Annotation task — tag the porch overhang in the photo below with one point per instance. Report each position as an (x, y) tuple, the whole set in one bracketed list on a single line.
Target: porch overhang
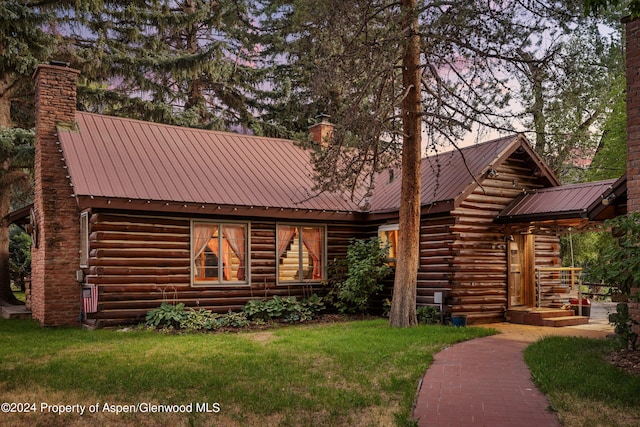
[(566, 208)]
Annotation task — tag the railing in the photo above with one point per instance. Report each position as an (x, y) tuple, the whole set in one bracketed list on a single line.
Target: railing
[(555, 285)]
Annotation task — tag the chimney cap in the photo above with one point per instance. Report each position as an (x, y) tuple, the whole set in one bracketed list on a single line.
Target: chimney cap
[(323, 118), (59, 63)]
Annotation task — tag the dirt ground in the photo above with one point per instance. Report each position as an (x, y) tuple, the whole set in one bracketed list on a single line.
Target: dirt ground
[(598, 327)]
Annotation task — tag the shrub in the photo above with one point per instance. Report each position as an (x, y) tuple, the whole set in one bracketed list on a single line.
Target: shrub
[(256, 311), (315, 304), (624, 324), (202, 319), (286, 309), (619, 264), (428, 315), (366, 268), (233, 320), (167, 315)]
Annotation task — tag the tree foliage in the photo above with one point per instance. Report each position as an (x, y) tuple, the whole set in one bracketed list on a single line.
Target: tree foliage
[(24, 42), (16, 160), (477, 66), (181, 62), (620, 263)]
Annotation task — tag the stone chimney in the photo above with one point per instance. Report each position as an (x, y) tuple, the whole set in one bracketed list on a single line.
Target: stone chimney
[(55, 293), (322, 132), (633, 113)]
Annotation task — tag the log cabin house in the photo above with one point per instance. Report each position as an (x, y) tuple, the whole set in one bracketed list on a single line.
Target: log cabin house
[(128, 214)]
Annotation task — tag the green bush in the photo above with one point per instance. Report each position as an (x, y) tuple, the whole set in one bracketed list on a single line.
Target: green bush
[(619, 264), (234, 320), (624, 324), (428, 315), (366, 269), (197, 320), (285, 309), (255, 311), (167, 315)]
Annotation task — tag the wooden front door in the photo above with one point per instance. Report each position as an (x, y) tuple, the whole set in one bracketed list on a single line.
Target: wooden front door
[(521, 264)]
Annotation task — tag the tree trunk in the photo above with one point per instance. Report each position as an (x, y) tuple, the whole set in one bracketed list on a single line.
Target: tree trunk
[(403, 306), (5, 102)]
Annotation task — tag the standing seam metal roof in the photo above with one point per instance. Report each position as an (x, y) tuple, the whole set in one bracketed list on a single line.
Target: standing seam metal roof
[(573, 198), (443, 176), (111, 157), (130, 159)]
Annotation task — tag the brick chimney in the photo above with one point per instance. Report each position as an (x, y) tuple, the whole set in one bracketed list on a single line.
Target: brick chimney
[(322, 132), (55, 293), (633, 113)]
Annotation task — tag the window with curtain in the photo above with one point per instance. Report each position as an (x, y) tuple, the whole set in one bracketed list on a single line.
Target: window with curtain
[(219, 253), (301, 251), (388, 235), (84, 239)]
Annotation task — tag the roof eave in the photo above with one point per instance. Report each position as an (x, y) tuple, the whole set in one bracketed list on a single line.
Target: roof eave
[(542, 216), (208, 209)]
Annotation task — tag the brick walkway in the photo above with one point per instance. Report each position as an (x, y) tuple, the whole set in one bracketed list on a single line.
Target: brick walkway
[(485, 382)]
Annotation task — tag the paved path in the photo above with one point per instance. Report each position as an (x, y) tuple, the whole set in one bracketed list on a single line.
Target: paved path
[(485, 382)]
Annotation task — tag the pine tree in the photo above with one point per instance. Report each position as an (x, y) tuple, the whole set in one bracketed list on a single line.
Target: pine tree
[(181, 62), (23, 43), (16, 160)]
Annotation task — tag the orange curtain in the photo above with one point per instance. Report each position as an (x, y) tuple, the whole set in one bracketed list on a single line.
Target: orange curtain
[(202, 234), (234, 237), (285, 235), (312, 239)]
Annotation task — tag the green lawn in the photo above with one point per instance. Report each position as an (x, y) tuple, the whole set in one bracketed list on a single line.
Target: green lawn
[(355, 373), (582, 386)]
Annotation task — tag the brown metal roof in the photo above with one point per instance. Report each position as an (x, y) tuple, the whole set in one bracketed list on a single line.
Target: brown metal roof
[(447, 176), (117, 161), (567, 201), (110, 157)]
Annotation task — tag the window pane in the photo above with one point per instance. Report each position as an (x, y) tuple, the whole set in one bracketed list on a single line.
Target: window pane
[(234, 252), (390, 238), (84, 239), (312, 259), (289, 254), (205, 252)]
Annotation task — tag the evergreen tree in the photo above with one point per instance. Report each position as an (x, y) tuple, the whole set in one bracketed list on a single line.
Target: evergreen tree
[(24, 42), (16, 161), (181, 62)]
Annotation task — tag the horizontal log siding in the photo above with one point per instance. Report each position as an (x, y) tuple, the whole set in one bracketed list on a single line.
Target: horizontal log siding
[(479, 260), (140, 261), (436, 257)]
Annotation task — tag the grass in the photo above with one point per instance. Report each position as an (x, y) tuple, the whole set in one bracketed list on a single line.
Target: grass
[(584, 388), (354, 373)]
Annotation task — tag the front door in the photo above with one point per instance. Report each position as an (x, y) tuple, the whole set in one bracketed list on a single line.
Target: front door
[(521, 262)]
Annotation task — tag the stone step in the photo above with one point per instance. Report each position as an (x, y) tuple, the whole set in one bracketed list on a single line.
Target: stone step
[(558, 322), (15, 312)]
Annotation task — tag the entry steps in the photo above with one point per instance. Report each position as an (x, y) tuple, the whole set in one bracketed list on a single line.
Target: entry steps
[(15, 312), (546, 317)]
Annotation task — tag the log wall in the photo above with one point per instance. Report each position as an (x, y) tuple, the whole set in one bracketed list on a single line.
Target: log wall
[(140, 261), (465, 253)]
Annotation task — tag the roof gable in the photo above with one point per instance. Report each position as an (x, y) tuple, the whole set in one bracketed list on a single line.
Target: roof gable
[(447, 178)]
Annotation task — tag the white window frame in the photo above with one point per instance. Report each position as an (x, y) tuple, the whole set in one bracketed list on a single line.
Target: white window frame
[(389, 227), (220, 282)]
